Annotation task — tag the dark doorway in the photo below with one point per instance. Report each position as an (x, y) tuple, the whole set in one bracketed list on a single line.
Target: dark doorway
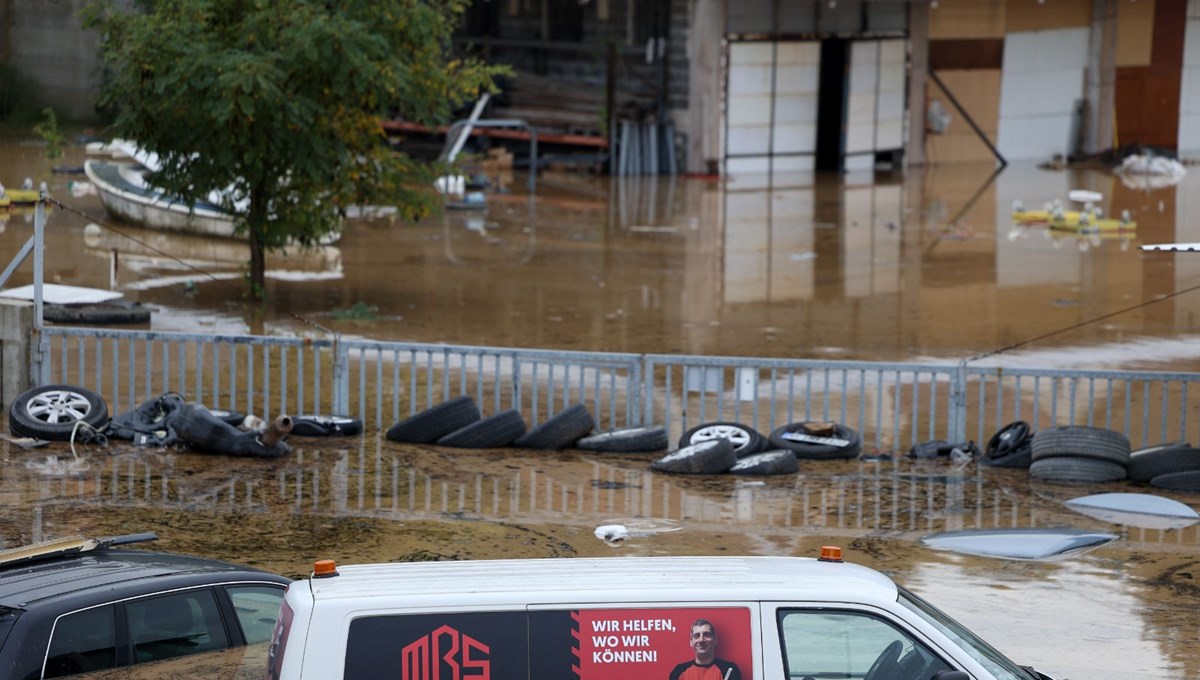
[(831, 103)]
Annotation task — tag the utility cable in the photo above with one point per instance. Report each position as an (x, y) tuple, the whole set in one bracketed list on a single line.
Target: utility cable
[(169, 256), (1081, 324)]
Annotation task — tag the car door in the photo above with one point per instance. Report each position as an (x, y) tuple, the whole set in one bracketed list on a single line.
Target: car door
[(808, 641)]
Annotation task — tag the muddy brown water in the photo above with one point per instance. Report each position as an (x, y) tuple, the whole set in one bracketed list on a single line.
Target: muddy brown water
[(889, 268)]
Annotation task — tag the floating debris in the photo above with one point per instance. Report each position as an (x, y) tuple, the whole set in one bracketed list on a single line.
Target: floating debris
[(1020, 544), (1136, 510)]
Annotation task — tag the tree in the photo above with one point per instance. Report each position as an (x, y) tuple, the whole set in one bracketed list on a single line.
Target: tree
[(277, 103)]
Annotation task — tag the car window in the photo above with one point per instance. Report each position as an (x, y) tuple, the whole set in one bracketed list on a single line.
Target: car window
[(257, 608), (844, 644), (175, 625), (83, 641)]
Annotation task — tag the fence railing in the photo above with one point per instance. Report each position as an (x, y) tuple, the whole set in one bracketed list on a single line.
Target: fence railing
[(892, 405)]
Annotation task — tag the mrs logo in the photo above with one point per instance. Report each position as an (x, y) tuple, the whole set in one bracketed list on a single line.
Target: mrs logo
[(445, 654)]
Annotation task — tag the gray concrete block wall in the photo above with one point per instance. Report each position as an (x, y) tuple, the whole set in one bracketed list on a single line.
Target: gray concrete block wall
[(16, 332), (48, 46)]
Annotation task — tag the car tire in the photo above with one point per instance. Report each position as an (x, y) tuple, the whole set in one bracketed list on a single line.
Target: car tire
[(746, 440), (1148, 463), (309, 425), (1079, 441), (627, 440), (50, 412), (818, 450), (436, 422), (1076, 470), (1185, 480), (492, 432), (562, 430), (712, 457), (777, 462)]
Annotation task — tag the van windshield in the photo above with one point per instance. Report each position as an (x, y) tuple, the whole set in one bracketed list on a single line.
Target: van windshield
[(996, 663)]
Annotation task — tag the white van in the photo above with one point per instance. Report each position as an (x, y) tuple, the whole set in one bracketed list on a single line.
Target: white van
[(621, 618)]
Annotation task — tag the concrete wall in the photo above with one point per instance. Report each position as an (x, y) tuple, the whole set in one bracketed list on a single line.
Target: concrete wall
[(48, 47), (16, 325), (1189, 91)]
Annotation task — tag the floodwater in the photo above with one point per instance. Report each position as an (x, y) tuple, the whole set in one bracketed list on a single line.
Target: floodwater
[(925, 266)]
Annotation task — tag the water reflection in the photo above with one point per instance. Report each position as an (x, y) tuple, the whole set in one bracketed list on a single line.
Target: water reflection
[(837, 499), (889, 266)]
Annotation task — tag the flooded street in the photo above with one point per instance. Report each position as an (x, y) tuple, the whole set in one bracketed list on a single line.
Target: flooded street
[(924, 266)]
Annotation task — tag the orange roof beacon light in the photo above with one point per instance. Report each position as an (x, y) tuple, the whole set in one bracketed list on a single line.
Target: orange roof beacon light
[(829, 553), (324, 569)]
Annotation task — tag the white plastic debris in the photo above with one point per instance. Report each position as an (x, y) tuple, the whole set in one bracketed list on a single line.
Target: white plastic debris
[(1085, 196), (612, 533)]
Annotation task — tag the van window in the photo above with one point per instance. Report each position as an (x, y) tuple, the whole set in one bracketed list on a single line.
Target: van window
[(175, 625), (828, 643), (83, 641), (257, 608)]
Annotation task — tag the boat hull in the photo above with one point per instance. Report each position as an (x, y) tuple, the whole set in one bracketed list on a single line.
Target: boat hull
[(152, 208)]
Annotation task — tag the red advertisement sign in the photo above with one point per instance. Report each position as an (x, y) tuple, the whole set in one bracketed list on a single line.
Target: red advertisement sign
[(666, 644)]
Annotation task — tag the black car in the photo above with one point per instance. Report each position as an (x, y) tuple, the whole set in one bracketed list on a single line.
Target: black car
[(79, 605)]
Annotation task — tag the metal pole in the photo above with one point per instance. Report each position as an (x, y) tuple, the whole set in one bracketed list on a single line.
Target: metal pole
[(967, 117), (40, 369)]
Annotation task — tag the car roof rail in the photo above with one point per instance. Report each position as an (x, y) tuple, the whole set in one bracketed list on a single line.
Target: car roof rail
[(62, 547)]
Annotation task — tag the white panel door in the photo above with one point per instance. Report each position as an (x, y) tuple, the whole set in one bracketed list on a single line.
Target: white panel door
[(748, 117), (1042, 77), (889, 116), (797, 77), (771, 115), (860, 101)]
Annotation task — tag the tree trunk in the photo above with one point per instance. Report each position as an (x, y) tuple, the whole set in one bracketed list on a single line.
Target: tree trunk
[(256, 229), (258, 265)]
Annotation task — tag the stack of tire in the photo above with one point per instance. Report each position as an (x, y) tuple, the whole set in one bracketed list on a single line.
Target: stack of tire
[(1174, 466), (1078, 454), (458, 423)]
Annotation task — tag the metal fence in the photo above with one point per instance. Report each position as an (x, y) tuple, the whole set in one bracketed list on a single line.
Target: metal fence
[(892, 405)]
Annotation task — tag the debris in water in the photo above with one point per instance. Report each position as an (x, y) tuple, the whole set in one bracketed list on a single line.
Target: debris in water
[(1136, 510), (612, 533), (1020, 544)]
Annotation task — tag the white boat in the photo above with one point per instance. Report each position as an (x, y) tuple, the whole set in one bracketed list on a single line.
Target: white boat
[(125, 193), (123, 190)]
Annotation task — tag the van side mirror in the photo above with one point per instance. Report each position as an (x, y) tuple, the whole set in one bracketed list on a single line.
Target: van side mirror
[(952, 675)]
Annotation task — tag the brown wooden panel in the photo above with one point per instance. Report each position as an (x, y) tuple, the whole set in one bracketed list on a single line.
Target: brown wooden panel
[(979, 92), (966, 54), (1147, 101), (1032, 15), (1170, 20), (1135, 32), (967, 19), (1147, 97)]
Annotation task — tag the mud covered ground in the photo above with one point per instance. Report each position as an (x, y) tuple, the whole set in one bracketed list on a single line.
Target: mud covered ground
[(1126, 610)]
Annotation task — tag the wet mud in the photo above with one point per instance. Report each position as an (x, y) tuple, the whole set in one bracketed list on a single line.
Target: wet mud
[(925, 266), (1127, 609)]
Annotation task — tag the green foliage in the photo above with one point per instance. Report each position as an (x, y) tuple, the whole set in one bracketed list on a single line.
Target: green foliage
[(49, 132), (279, 101), (359, 311)]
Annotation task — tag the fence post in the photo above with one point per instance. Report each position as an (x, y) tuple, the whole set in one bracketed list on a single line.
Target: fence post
[(341, 377), (957, 418), (633, 410), (648, 389), (516, 384)]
